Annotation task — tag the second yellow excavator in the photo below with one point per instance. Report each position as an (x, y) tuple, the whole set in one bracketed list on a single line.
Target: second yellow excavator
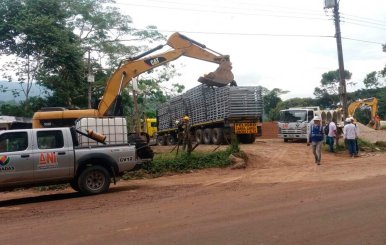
[(131, 68), (370, 102)]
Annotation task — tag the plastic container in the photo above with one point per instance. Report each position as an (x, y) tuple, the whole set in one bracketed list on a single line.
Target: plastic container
[(115, 130)]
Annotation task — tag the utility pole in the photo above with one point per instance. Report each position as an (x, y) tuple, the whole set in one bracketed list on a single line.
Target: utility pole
[(137, 123), (342, 81), (89, 77)]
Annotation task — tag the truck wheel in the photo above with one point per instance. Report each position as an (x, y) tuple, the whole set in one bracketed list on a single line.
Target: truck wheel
[(161, 140), (285, 140), (208, 136), (199, 136), (217, 136), (145, 137), (171, 140), (253, 138), (246, 138), (94, 180), (142, 148)]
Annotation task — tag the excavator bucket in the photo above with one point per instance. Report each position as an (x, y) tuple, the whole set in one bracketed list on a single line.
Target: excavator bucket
[(220, 77)]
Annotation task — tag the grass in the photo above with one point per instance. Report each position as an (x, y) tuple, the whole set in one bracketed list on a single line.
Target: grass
[(364, 145), (183, 163)]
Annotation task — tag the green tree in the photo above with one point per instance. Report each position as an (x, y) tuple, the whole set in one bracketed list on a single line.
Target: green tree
[(329, 87), (374, 80), (60, 33), (271, 99), (38, 31)]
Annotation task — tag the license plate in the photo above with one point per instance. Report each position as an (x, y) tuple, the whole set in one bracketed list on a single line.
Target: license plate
[(245, 128)]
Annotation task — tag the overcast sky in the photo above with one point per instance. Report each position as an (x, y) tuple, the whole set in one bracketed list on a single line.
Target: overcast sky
[(277, 43)]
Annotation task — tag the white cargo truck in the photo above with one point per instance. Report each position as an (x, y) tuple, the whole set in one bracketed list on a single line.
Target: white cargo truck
[(294, 123)]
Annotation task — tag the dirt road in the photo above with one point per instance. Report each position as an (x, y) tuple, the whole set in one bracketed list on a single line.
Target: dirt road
[(281, 198)]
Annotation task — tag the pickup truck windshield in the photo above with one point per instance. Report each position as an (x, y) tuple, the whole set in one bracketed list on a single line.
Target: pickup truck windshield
[(293, 116)]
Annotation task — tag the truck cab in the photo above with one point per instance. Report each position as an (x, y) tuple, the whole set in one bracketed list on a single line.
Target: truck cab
[(45, 155), (294, 123)]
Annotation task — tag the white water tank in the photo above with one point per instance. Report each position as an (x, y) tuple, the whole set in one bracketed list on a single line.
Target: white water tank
[(115, 130)]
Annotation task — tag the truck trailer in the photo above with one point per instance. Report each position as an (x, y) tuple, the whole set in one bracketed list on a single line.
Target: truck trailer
[(214, 114)]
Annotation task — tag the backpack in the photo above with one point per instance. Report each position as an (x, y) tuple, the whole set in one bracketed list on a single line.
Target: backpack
[(327, 129)]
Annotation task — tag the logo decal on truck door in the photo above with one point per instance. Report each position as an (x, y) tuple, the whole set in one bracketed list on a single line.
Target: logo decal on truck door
[(4, 160), (48, 160)]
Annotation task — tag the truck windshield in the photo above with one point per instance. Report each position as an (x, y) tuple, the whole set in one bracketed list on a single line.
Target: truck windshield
[(293, 116)]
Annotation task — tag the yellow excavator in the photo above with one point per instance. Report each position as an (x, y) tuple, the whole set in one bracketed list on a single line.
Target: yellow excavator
[(110, 104), (370, 102)]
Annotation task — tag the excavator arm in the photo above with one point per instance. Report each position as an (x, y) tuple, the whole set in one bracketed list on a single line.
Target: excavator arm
[(182, 46), (133, 67), (370, 102)]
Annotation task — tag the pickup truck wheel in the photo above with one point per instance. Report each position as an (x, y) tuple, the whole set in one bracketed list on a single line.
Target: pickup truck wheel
[(208, 136), (94, 180), (217, 136)]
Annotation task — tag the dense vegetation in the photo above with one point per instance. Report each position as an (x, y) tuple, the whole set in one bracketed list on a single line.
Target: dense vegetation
[(57, 43)]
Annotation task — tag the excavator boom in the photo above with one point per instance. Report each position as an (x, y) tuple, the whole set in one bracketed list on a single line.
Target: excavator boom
[(182, 46), (132, 67)]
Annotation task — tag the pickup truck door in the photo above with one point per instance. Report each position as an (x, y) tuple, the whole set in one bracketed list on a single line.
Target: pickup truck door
[(16, 164), (53, 155)]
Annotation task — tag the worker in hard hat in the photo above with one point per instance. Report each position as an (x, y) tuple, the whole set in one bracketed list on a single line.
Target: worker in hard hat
[(187, 144), (316, 136), (350, 135)]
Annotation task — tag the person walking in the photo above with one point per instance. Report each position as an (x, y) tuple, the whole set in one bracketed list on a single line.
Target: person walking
[(357, 135), (350, 134), (315, 136), (331, 135)]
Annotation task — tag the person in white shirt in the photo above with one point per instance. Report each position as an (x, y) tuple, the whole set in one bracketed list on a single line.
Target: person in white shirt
[(331, 135), (357, 133), (350, 134)]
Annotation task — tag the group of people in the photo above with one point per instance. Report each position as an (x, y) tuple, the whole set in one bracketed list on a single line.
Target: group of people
[(318, 131)]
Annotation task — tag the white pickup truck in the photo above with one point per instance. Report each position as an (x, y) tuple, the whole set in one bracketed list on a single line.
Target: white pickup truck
[(31, 157)]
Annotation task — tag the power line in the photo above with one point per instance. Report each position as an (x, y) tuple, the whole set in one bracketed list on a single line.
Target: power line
[(224, 12), (363, 21), (363, 41), (364, 25), (261, 34), (287, 14), (248, 8), (364, 18)]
